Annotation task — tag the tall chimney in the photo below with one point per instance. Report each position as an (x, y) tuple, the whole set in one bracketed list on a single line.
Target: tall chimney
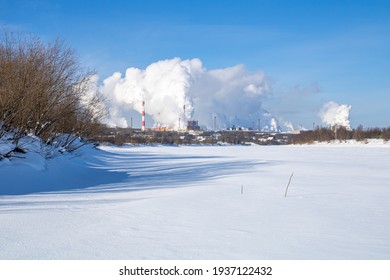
[(143, 116), (159, 122), (184, 117)]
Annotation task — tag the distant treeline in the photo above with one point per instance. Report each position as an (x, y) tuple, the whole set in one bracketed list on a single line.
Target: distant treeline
[(340, 133), (120, 136)]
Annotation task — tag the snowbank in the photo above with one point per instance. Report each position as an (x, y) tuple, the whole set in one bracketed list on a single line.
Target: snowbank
[(186, 203), (45, 169)]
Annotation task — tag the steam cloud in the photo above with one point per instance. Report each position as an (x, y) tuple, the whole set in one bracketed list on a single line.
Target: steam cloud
[(334, 114), (233, 95)]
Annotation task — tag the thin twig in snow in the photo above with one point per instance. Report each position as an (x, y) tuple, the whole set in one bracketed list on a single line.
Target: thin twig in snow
[(289, 181)]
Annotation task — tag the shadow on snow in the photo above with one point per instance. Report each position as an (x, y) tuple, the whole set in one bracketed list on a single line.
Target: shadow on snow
[(119, 172)]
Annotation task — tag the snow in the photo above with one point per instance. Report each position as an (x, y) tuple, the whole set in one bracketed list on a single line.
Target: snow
[(169, 202)]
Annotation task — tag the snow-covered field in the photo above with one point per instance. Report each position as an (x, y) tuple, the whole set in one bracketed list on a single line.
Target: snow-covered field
[(199, 202)]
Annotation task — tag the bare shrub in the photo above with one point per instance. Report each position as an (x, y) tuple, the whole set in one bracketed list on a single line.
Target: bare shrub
[(44, 91)]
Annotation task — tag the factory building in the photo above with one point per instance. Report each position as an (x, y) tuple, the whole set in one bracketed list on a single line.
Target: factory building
[(193, 125)]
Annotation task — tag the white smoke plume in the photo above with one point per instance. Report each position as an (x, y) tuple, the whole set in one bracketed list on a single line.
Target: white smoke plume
[(334, 114), (231, 95), (91, 98)]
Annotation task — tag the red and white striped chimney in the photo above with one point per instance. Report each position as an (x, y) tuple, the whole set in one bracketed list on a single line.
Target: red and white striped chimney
[(143, 116)]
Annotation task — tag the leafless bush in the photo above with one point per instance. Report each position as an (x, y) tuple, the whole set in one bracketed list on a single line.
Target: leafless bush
[(386, 134), (44, 91)]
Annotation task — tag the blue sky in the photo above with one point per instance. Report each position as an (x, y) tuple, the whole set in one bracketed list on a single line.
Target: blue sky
[(316, 50)]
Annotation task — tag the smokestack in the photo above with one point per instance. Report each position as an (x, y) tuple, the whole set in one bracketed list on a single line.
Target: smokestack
[(189, 84), (215, 122), (143, 116), (158, 122), (258, 124), (184, 117)]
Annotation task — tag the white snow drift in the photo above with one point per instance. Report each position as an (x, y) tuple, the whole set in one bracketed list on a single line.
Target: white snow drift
[(186, 203)]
